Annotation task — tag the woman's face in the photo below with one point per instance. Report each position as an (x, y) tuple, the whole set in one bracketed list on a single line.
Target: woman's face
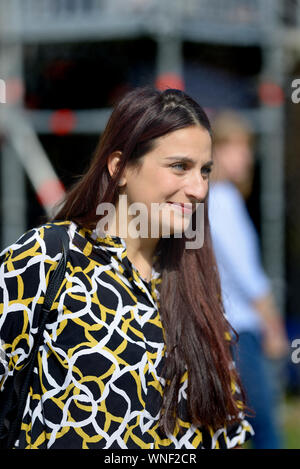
[(174, 173)]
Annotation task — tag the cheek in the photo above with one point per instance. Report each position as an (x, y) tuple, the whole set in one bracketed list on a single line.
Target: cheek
[(145, 187), (152, 184), (160, 184), (167, 182)]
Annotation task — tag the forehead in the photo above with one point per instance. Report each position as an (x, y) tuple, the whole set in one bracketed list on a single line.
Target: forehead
[(194, 141)]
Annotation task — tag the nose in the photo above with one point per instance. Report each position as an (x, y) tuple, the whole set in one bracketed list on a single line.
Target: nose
[(196, 187)]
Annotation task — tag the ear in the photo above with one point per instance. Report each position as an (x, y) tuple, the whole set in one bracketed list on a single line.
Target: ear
[(113, 163)]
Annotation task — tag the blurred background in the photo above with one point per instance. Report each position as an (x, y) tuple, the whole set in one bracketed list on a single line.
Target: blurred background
[(64, 63)]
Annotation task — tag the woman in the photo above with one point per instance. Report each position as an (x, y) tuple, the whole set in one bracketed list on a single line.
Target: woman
[(137, 354)]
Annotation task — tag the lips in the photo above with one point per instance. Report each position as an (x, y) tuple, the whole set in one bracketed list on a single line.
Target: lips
[(183, 207)]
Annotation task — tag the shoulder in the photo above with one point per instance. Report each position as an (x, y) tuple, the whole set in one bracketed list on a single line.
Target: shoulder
[(224, 198), (35, 245), (223, 190)]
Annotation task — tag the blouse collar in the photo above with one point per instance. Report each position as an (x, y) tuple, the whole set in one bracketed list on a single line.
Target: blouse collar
[(115, 250)]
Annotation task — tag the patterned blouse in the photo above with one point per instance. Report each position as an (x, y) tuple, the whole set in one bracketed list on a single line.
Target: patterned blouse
[(97, 380)]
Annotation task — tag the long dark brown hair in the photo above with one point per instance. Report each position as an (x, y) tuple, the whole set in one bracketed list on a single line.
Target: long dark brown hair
[(190, 296)]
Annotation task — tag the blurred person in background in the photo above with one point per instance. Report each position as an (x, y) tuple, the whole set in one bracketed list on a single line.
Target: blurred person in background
[(246, 289)]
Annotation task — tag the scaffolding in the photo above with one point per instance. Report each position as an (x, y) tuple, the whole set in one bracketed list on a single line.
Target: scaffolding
[(262, 23)]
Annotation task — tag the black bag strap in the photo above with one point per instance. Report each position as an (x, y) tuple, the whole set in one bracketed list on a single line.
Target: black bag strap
[(22, 378), (59, 273)]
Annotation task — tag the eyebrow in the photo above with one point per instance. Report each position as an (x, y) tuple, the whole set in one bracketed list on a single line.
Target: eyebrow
[(186, 159)]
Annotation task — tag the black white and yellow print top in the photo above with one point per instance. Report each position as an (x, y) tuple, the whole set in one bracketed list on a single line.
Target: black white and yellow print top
[(97, 380)]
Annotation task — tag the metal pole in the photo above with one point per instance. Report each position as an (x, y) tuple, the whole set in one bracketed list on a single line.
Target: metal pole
[(41, 174), (13, 199), (272, 173), (169, 64), (20, 134), (13, 189)]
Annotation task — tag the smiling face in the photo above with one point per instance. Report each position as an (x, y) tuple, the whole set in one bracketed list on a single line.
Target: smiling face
[(174, 173)]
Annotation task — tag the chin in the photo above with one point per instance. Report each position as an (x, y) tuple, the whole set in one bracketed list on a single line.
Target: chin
[(172, 222), (174, 229)]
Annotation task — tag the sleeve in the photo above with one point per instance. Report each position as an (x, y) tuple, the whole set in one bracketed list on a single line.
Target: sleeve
[(236, 244), (24, 276), (238, 433)]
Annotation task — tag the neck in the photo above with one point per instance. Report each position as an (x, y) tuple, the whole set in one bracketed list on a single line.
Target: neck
[(140, 250)]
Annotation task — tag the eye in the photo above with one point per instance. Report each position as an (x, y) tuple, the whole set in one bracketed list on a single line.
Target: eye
[(206, 170), (179, 166)]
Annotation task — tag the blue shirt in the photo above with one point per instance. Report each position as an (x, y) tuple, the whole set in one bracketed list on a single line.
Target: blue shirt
[(236, 247)]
